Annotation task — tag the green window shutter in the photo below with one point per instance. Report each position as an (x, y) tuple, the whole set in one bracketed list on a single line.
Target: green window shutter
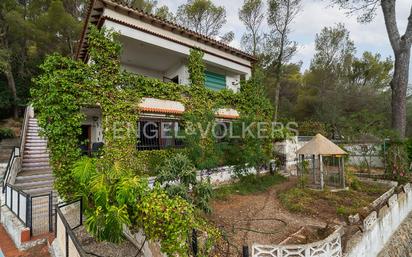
[(215, 81)]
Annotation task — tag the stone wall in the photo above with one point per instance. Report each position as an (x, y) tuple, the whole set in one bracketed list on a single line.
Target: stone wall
[(379, 225)]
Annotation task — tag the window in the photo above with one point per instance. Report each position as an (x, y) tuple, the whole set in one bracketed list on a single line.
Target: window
[(215, 81), (158, 134)]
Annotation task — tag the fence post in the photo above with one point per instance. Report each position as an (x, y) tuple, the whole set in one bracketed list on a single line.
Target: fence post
[(27, 212), (55, 222), (11, 197), (245, 251), (81, 211), (194, 242), (18, 205), (50, 211), (30, 220), (67, 241)]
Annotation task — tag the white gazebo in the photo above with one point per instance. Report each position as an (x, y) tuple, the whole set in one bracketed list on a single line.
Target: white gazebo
[(320, 149)]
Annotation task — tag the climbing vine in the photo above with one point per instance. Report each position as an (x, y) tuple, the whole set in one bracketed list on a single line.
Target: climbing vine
[(113, 188)]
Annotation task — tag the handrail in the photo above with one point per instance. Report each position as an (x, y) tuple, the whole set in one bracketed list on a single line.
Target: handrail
[(19, 210), (27, 114), (19, 190), (69, 232), (8, 168), (18, 151)]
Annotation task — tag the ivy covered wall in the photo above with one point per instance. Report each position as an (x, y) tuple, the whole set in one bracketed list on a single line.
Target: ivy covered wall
[(106, 183)]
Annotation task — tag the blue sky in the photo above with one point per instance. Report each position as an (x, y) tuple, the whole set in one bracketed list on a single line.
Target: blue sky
[(314, 16)]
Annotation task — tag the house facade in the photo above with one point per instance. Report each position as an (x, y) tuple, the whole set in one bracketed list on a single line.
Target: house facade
[(159, 49)]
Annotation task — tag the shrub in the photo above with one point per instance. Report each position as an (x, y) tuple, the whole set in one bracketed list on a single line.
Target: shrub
[(397, 162), (179, 177), (248, 184), (311, 128), (6, 133), (351, 180)]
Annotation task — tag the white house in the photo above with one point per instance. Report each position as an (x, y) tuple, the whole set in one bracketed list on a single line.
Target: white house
[(157, 48)]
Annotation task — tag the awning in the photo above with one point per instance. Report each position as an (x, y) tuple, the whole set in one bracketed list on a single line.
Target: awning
[(161, 106), (227, 113)]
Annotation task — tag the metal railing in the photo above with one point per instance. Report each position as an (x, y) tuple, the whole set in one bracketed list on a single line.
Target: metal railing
[(8, 173), (17, 151), (18, 202), (66, 221), (28, 113), (40, 214)]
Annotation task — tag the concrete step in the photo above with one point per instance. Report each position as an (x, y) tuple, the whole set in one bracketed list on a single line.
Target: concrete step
[(35, 152), (35, 155), (30, 159), (34, 184), (34, 147), (35, 139), (40, 169), (32, 134), (38, 191), (36, 142), (23, 178), (40, 165), (40, 148)]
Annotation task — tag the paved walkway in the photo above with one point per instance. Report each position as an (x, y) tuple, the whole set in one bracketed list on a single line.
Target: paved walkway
[(9, 249)]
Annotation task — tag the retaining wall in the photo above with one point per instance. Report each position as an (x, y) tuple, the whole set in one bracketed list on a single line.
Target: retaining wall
[(379, 225)]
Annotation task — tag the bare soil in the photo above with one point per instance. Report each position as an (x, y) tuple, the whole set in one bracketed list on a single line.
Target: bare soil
[(104, 249), (261, 218)]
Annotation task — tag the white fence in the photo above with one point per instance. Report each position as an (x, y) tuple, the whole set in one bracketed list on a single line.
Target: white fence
[(329, 247)]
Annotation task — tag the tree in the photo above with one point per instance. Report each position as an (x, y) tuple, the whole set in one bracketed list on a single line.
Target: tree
[(164, 13), (148, 6), (28, 31), (251, 14), (401, 46), (349, 94), (227, 37), (279, 48), (202, 16), (329, 67)]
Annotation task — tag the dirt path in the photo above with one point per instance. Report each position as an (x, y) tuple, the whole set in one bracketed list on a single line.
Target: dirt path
[(259, 218)]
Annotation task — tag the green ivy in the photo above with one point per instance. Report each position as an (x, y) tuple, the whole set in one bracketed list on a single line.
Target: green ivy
[(114, 191)]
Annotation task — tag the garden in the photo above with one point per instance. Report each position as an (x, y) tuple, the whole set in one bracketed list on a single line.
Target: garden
[(114, 185), (271, 209)]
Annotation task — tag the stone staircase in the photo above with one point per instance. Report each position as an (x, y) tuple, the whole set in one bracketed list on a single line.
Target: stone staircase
[(35, 176)]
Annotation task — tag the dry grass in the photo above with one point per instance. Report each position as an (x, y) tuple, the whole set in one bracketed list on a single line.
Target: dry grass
[(343, 203)]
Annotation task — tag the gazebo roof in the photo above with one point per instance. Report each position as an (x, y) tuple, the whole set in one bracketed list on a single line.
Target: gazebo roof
[(320, 145)]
